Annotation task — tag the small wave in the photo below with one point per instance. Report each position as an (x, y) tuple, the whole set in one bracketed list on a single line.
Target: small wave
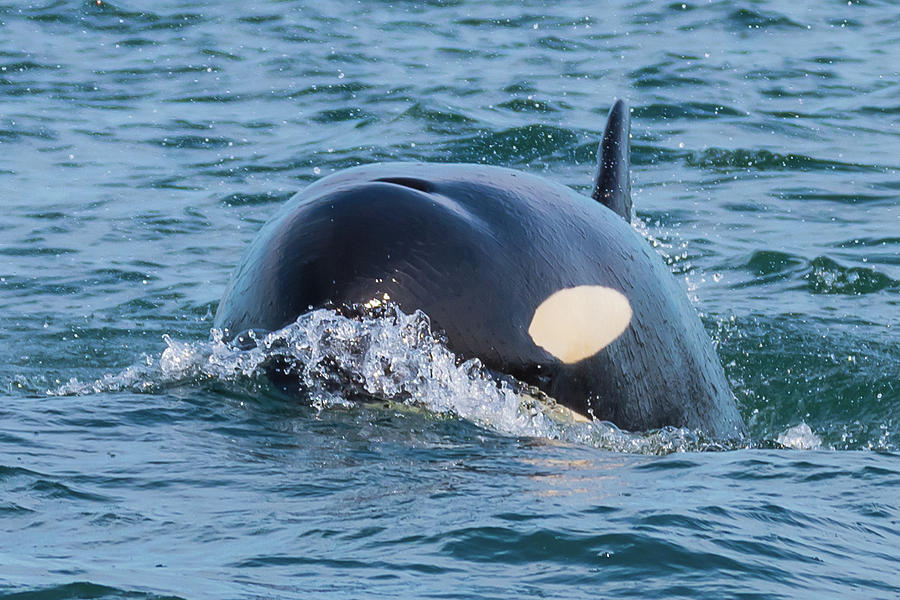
[(101, 15), (244, 199), (826, 276), (668, 80), (769, 262), (213, 98), (379, 355), (350, 113), (528, 104), (805, 194), (869, 242), (32, 251), (193, 142), (745, 18), (348, 90), (563, 44), (765, 160), (821, 275), (16, 132), (519, 22), (82, 589), (26, 65), (515, 145), (687, 110), (445, 116), (445, 119)]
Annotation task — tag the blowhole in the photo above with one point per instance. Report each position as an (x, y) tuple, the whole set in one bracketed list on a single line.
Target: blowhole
[(409, 182)]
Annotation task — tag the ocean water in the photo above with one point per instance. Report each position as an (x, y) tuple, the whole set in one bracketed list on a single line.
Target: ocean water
[(142, 146)]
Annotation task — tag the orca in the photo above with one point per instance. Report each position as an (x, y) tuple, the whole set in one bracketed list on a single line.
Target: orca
[(539, 282)]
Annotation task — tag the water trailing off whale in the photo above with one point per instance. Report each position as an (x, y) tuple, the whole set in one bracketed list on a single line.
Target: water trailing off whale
[(535, 280)]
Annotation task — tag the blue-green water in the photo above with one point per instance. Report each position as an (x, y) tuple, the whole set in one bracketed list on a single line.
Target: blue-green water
[(142, 145)]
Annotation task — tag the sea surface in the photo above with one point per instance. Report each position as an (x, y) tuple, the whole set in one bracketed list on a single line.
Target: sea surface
[(142, 146)]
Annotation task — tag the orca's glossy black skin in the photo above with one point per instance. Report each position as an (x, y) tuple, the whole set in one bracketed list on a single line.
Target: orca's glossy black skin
[(478, 249)]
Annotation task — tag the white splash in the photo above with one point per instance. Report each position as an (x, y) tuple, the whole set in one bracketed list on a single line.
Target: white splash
[(800, 437), (379, 355)]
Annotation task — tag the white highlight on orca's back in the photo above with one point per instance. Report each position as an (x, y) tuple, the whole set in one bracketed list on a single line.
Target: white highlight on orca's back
[(576, 323)]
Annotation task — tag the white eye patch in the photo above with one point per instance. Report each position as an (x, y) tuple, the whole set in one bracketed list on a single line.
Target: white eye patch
[(578, 322)]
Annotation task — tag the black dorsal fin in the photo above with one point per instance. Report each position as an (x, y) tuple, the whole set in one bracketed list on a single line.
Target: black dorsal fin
[(612, 186)]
